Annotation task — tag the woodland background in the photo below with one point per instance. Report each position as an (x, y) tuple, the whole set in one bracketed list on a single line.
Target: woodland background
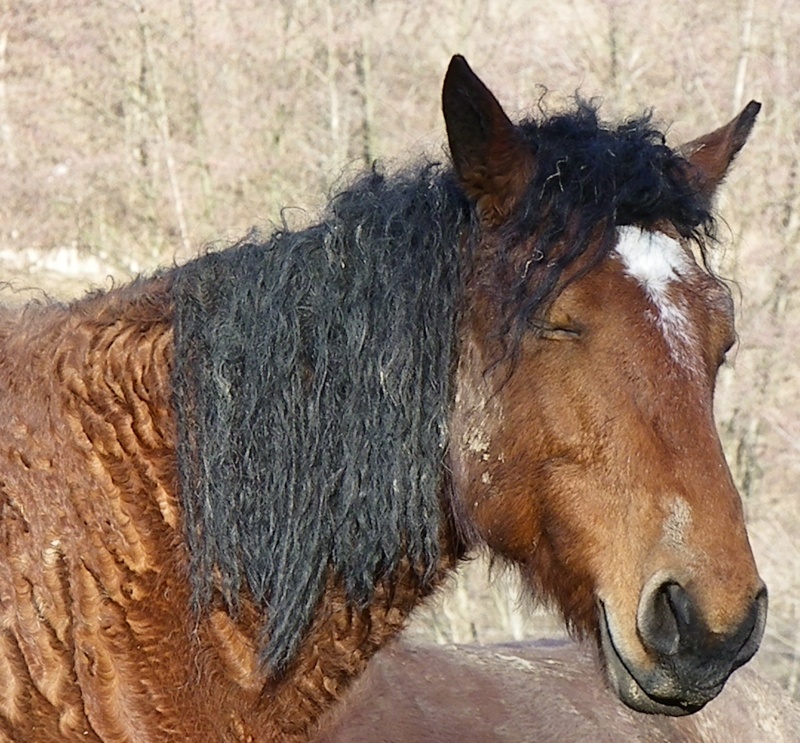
[(135, 132)]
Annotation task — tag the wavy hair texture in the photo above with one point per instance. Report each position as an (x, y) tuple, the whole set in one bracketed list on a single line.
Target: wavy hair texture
[(312, 380), (312, 372)]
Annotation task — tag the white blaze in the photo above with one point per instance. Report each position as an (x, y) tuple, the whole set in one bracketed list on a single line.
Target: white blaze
[(658, 261)]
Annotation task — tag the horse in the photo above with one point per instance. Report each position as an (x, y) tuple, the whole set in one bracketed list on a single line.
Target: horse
[(535, 692), (225, 485)]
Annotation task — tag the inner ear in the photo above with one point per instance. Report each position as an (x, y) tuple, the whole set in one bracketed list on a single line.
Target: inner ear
[(489, 158), (712, 154)]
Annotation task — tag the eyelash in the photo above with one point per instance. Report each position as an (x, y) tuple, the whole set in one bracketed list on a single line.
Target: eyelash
[(555, 332)]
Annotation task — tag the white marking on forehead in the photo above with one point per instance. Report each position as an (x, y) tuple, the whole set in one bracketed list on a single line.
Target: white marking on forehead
[(656, 261)]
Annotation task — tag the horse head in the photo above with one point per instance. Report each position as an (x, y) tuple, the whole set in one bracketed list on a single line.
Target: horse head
[(583, 443)]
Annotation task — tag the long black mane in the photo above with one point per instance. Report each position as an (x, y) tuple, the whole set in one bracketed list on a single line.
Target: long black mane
[(312, 383), (312, 374)]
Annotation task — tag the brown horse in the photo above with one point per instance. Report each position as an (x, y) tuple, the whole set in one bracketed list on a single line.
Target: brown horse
[(547, 692), (225, 486)]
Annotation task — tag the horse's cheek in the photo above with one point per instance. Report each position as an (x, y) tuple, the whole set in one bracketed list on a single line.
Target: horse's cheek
[(509, 523)]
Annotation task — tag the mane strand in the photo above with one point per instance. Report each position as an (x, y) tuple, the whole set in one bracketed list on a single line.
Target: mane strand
[(312, 384)]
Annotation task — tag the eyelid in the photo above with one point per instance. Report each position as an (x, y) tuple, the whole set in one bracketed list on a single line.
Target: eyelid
[(554, 331)]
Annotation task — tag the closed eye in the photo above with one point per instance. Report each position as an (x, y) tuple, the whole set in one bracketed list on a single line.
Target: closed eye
[(555, 332)]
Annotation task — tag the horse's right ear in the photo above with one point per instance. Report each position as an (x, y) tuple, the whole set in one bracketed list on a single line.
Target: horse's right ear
[(489, 159)]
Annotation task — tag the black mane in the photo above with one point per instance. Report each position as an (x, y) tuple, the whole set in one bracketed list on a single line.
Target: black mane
[(312, 383), (312, 373)]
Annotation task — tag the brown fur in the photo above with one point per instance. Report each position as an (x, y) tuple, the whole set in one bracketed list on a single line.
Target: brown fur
[(572, 397)]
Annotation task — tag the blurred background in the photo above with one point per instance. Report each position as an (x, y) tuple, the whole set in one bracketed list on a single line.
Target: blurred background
[(134, 133)]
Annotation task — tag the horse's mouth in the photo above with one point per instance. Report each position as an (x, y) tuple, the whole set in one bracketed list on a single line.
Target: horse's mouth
[(632, 692)]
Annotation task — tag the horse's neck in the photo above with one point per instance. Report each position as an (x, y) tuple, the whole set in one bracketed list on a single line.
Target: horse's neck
[(108, 361), (341, 642)]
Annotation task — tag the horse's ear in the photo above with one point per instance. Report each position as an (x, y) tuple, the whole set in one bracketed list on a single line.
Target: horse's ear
[(711, 155), (489, 159)]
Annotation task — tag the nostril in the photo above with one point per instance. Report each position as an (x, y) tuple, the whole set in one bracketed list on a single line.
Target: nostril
[(664, 616), (680, 604), (669, 623)]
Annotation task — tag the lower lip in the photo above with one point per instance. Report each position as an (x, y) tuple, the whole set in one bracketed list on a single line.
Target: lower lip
[(624, 682)]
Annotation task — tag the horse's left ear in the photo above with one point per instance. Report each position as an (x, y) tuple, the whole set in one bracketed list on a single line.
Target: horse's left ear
[(712, 154), (491, 163)]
